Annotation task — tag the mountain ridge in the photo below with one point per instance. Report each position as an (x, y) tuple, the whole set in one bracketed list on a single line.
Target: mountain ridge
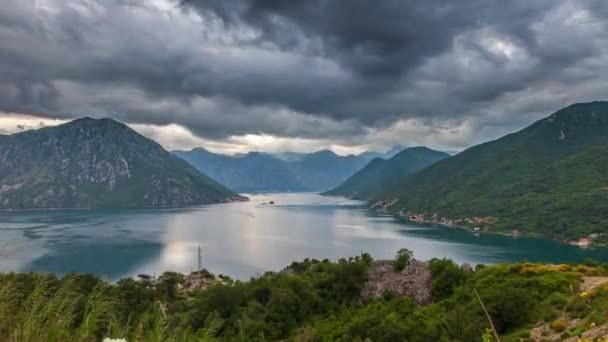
[(97, 163), (382, 173), (250, 172), (530, 181)]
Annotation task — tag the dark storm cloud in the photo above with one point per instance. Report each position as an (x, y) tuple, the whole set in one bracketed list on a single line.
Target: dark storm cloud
[(381, 39), (377, 43), (314, 68)]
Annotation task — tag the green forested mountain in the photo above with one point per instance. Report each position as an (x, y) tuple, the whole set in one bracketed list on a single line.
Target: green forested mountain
[(549, 178), (97, 163), (381, 174)]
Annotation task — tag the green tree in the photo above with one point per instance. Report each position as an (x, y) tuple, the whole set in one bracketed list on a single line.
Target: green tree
[(446, 277), (402, 259)]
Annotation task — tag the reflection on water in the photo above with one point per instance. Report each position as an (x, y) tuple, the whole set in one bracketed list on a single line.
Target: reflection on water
[(243, 239)]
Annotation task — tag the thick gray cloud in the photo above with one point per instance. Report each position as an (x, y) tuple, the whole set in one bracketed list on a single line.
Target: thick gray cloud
[(354, 72)]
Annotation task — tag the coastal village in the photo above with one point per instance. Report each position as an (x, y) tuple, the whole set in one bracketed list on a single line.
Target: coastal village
[(475, 224)]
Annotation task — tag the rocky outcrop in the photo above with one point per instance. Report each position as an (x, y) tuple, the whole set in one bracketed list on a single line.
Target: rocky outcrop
[(198, 281), (414, 281)]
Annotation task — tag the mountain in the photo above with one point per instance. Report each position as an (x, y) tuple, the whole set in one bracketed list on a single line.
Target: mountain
[(451, 152), (289, 156), (382, 174), (265, 172), (97, 163), (366, 156), (323, 170), (250, 172), (550, 178), (369, 155)]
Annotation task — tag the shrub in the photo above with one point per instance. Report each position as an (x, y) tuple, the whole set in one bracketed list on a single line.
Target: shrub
[(508, 306), (402, 259), (590, 262), (446, 277), (558, 300), (559, 325)]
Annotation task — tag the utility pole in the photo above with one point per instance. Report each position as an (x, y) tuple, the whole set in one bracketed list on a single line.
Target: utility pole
[(200, 257)]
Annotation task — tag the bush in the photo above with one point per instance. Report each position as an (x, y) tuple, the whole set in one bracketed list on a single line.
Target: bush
[(402, 259), (558, 300), (590, 262), (446, 277), (508, 306), (559, 325)]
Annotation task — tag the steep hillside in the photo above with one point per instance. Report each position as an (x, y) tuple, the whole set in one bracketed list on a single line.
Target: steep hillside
[(549, 178), (381, 174), (97, 163)]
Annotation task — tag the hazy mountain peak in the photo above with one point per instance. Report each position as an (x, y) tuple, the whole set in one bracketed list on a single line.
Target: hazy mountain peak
[(325, 153), (200, 149), (287, 171), (416, 149)]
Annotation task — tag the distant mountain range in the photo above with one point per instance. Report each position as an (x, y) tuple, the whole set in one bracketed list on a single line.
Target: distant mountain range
[(280, 172), (368, 155), (251, 172), (97, 163), (381, 174), (549, 178)]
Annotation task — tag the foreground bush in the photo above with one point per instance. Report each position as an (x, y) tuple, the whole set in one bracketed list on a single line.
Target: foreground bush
[(310, 301)]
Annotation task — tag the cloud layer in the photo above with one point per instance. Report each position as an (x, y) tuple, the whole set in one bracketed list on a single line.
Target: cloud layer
[(319, 73)]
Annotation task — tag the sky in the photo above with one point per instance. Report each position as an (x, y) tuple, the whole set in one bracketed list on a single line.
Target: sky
[(301, 75)]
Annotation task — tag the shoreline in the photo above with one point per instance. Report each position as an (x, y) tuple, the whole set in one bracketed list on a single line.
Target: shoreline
[(404, 218), (228, 200), (382, 206)]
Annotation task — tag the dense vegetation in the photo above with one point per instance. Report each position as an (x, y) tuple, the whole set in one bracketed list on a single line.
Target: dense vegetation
[(309, 301), (381, 174), (97, 163), (550, 178)]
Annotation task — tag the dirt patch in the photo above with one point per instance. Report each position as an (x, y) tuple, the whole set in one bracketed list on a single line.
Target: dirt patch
[(414, 281), (591, 334), (589, 283), (543, 331)]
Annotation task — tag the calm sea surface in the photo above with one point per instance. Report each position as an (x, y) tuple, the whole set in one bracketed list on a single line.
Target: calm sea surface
[(243, 239)]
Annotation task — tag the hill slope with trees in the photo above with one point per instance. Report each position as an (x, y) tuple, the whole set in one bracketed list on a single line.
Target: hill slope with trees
[(381, 174), (550, 178)]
